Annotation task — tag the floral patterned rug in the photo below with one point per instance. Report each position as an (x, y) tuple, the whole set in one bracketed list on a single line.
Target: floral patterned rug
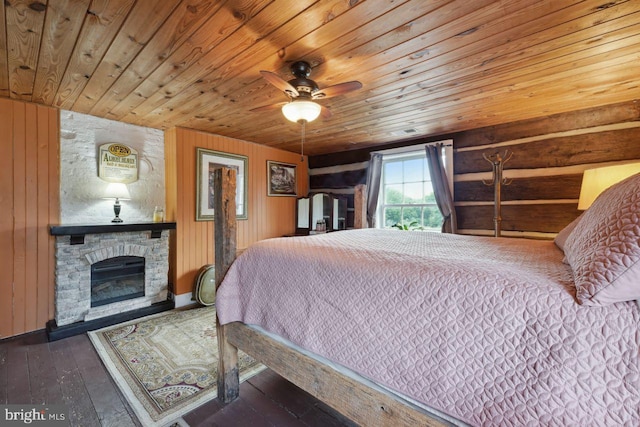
[(166, 364)]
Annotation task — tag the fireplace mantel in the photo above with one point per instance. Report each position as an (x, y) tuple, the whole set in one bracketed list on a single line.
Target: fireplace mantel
[(78, 231)]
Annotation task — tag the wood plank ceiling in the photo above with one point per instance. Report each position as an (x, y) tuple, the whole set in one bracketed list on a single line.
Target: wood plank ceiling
[(427, 67)]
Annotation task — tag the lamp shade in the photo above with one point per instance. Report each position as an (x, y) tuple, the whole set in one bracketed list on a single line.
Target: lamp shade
[(595, 181), (117, 190), (301, 110)]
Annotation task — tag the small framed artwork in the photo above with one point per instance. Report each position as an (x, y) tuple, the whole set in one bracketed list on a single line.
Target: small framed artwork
[(281, 179), (207, 162)]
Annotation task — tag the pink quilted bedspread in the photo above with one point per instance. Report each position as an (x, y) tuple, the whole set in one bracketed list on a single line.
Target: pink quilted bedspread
[(484, 329)]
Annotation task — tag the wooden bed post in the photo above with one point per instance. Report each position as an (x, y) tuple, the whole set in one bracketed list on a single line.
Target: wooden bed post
[(360, 206), (224, 180)]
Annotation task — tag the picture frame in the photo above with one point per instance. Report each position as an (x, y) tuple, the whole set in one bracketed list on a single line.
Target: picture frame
[(281, 179), (206, 162)]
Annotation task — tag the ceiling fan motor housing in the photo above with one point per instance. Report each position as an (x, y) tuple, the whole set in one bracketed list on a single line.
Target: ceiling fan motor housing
[(301, 70)]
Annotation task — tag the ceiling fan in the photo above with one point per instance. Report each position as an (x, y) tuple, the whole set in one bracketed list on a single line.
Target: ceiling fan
[(302, 91)]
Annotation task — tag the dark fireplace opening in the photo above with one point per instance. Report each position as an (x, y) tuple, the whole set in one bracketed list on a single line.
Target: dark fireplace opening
[(117, 279)]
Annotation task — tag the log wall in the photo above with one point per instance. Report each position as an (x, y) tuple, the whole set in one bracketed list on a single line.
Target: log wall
[(549, 155)]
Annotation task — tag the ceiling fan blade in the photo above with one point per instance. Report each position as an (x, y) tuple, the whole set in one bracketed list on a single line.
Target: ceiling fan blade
[(268, 107), (281, 84), (335, 90), (325, 113)]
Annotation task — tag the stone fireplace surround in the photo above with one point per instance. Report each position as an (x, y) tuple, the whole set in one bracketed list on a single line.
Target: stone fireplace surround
[(79, 246)]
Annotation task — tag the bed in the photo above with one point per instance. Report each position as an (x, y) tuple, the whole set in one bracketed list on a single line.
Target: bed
[(457, 329)]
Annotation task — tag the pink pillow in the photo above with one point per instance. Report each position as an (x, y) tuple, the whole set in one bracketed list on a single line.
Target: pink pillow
[(562, 236), (604, 248)]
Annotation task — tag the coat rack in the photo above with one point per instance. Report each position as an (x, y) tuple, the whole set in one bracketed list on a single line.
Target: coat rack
[(497, 161)]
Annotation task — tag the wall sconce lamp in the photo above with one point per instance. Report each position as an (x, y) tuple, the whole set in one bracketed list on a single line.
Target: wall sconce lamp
[(596, 180), (118, 191)]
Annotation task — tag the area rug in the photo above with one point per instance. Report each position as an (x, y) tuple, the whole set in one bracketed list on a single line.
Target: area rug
[(166, 364)]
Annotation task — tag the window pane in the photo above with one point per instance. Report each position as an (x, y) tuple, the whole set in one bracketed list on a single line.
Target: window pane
[(413, 193), (429, 197), (411, 217), (392, 216), (407, 193), (413, 170), (393, 194), (393, 173), (432, 218)]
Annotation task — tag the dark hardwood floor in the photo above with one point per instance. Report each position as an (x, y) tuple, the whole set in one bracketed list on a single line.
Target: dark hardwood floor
[(69, 372)]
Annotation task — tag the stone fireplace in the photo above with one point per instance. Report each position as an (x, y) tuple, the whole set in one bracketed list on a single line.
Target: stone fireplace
[(103, 271)]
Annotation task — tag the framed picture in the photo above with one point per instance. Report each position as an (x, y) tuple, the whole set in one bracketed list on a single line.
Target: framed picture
[(281, 179), (207, 162)]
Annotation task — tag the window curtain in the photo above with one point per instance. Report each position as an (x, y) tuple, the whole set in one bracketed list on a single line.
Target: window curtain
[(374, 171), (441, 190)]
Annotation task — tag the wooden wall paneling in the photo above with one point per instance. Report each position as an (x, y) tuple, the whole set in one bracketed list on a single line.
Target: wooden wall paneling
[(29, 173), (31, 216), (23, 46), (19, 212), (267, 216), (4, 62), (61, 28), (6, 220), (53, 156)]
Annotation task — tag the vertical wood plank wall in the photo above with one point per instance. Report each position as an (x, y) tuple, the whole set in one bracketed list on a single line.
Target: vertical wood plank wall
[(29, 196), (549, 156), (192, 242)]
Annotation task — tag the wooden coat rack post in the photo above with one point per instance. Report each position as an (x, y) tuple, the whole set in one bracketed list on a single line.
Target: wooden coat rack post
[(497, 161)]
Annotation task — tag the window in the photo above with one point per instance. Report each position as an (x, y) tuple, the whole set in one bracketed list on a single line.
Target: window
[(406, 195)]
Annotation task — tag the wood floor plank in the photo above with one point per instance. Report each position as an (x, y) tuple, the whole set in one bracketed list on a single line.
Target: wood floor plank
[(43, 379), (3, 375), (75, 395), (270, 410), (17, 375), (322, 415), (284, 393), (201, 413), (70, 372)]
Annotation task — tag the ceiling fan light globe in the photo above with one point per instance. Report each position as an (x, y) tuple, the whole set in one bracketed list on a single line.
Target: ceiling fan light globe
[(301, 110)]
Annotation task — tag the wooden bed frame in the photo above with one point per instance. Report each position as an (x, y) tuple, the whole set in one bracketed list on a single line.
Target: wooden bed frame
[(355, 397)]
